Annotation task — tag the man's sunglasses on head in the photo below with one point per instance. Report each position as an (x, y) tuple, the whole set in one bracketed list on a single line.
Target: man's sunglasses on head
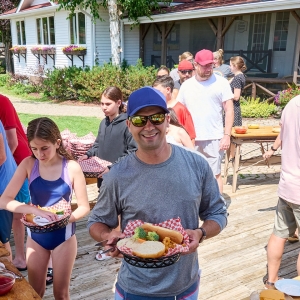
[(186, 71), (140, 121)]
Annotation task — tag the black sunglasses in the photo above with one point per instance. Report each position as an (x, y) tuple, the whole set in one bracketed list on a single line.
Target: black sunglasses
[(186, 71), (140, 121)]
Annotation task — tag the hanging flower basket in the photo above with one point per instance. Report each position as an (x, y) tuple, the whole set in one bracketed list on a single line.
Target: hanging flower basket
[(43, 50), (74, 50), (18, 49), (79, 52)]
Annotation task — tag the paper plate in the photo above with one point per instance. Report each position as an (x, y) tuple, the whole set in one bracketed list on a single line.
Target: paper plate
[(275, 129), (288, 286)]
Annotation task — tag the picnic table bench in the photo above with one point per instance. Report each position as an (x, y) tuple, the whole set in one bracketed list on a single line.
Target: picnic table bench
[(262, 135)]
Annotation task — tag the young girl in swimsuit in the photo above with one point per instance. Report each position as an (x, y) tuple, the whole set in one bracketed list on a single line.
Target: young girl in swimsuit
[(52, 175)]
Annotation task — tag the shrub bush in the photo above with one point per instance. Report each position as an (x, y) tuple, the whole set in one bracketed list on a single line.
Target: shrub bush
[(59, 83), (92, 82), (4, 79), (2, 67), (135, 77), (88, 84), (254, 108), (283, 97), (20, 84)]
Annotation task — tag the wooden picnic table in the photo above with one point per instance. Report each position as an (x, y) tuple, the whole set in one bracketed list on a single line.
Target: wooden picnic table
[(21, 289), (264, 134)]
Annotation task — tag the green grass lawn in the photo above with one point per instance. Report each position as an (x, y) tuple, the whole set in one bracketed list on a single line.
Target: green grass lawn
[(79, 125)]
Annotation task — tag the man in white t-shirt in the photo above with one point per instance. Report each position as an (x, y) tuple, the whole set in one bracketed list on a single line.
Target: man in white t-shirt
[(206, 96), (287, 218)]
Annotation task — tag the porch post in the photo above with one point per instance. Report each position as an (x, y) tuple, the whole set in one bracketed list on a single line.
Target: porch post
[(143, 32), (297, 50), (219, 33), (163, 60), (142, 43)]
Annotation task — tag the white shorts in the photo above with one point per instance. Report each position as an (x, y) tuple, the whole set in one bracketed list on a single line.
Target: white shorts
[(211, 150)]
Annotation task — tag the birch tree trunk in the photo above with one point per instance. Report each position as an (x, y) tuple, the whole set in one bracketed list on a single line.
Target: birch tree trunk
[(115, 37)]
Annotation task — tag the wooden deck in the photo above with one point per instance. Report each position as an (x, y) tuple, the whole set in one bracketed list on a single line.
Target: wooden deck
[(233, 263)]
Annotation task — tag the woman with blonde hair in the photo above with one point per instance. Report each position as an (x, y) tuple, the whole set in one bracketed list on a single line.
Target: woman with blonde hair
[(219, 67)]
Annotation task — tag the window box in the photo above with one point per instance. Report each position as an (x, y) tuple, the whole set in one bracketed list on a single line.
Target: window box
[(72, 50), (18, 49), (43, 50), (75, 52)]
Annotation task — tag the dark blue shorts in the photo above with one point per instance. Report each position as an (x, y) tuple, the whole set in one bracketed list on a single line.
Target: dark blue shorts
[(6, 218)]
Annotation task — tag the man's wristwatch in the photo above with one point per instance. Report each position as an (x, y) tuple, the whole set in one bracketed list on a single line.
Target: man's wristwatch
[(273, 149), (203, 235)]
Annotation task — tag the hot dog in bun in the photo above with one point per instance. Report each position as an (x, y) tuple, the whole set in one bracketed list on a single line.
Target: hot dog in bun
[(174, 235)]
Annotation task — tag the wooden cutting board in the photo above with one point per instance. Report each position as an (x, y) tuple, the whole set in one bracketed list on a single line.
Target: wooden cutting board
[(21, 290), (262, 132)]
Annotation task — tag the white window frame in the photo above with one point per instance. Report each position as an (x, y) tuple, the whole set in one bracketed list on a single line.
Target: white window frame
[(41, 30), (20, 33), (76, 28)]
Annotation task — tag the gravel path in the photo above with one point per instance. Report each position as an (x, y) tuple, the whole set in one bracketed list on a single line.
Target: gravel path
[(56, 109)]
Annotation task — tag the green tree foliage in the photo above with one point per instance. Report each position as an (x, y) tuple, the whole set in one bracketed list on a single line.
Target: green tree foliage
[(131, 9)]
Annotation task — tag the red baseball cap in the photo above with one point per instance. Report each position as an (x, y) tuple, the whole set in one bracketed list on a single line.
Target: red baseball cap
[(185, 65), (204, 57)]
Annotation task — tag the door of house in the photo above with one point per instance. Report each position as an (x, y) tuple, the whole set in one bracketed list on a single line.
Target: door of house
[(259, 33)]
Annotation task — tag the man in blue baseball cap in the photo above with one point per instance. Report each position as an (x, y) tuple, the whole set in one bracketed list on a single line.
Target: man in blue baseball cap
[(156, 183)]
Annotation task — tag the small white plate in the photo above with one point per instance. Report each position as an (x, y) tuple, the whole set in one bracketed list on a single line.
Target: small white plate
[(288, 286)]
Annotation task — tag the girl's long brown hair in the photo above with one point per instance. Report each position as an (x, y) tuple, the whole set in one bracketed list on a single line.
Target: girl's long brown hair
[(114, 93), (45, 129)]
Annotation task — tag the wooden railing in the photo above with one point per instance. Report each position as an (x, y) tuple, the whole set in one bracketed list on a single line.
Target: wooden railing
[(256, 83), (254, 59), (156, 61)]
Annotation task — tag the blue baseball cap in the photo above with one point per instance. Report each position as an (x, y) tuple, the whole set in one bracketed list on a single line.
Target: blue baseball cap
[(144, 97)]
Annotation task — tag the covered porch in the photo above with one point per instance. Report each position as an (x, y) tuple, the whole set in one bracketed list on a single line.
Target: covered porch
[(267, 39)]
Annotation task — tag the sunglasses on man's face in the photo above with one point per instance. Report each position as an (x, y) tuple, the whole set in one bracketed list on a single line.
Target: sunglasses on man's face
[(186, 71), (140, 121)]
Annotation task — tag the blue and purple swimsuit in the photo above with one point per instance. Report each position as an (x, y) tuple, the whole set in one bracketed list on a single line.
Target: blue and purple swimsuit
[(47, 193)]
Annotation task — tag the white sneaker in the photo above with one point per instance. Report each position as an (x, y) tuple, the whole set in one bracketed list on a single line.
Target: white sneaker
[(101, 257)]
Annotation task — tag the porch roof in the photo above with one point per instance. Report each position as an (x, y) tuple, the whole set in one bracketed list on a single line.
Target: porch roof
[(215, 8)]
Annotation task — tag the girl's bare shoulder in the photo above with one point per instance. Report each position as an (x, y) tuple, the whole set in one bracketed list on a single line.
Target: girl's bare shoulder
[(73, 165)]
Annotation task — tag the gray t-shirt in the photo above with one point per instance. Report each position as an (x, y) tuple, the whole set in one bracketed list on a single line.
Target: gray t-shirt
[(177, 84), (174, 74), (183, 186), (224, 71)]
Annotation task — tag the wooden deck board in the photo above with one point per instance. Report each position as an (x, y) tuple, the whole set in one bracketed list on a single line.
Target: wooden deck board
[(233, 264)]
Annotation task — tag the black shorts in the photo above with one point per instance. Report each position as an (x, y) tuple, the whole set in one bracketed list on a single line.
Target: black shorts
[(6, 218)]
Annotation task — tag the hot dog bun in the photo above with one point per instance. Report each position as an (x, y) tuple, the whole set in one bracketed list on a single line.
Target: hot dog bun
[(149, 249), (174, 235), (128, 242), (29, 218)]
